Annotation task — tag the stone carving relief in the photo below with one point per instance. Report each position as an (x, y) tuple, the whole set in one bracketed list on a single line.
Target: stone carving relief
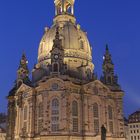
[(55, 86)]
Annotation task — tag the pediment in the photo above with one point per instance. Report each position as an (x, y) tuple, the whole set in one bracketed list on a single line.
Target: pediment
[(96, 87), (23, 88), (53, 84)]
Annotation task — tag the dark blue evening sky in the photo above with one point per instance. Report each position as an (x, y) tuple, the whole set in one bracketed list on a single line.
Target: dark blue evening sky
[(116, 22)]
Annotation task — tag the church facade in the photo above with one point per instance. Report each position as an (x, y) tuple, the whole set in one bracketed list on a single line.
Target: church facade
[(65, 100)]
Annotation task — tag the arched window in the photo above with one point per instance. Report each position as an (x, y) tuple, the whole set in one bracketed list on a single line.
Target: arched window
[(55, 104), (89, 74), (110, 117), (95, 110), (74, 108), (75, 116), (110, 113), (96, 118), (40, 117), (55, 115), (109, 80), (68, 9)]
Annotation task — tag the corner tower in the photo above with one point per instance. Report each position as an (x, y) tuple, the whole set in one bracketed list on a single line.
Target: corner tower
[(109, 78)]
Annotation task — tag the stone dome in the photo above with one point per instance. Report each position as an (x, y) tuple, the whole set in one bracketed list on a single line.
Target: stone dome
[(74, 41), (77, 49)]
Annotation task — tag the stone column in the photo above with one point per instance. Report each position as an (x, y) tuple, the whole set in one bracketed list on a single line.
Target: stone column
[(63, 109), (32, 115), (85, 114)]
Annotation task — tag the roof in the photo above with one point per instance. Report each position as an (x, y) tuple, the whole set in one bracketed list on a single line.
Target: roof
[(125, 121), (13, 91), (134, 117), (16, 87)]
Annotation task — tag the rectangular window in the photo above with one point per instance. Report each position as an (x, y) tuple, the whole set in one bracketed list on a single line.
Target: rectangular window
[(131, 137), (55, 112), (95, 111), (55, 116), (96, 126), (133, 126), (110, 112), (40, 125), (75, 124), (111, 126), (55, 127), (55, 119)]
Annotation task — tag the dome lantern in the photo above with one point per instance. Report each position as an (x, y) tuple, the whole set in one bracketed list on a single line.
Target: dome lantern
[(64, 7)]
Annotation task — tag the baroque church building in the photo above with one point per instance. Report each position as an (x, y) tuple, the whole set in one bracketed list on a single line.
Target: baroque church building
[(64, 100)]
